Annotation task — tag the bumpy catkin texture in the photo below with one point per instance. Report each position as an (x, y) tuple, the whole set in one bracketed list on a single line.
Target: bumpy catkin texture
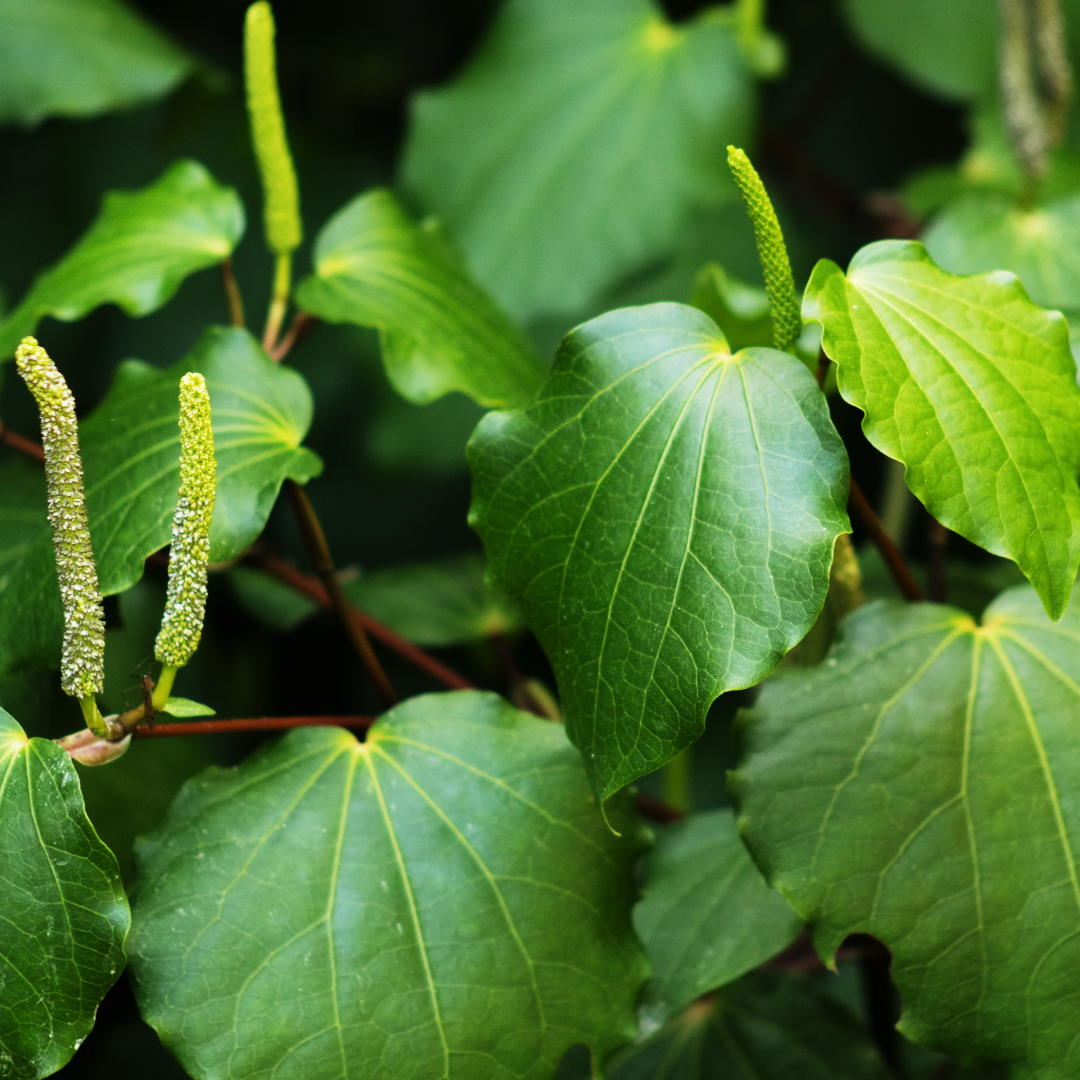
[(779, 284), (282, 210), (82, 670), (185, 603)]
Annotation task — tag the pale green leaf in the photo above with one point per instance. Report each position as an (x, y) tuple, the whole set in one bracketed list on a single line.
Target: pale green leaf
[(973, 388), (707, 916), (665, 512), (138, 251), (442, 901), (185, 708), (65, 914), (438, 329), (566, 103), (79, 58), (131, 457), (919, 786)]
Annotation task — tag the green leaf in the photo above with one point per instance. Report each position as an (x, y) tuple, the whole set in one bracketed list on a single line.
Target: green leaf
[(270, 601), (131, 457), (665, 512), (707, 916), (769, 1026), (79, 58), (185, 707), (974, 389), (443, 602), (741, 311), (566, 102), (22, 509), (65, 914), (438, 329), (918, 786), (138, 251), (443, 900)]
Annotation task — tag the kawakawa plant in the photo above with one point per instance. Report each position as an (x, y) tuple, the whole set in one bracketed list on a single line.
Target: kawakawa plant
[(452, 895)]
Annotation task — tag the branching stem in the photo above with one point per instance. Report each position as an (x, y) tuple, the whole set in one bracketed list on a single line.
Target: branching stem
[(899, 569), (279, 301)]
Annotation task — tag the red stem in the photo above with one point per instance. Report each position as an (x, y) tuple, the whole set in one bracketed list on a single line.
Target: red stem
[(266, 723), (20, 443), (907, 584), (301, 324)]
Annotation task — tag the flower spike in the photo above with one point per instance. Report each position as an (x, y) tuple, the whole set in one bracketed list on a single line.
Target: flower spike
[(82, 668), (185, 604)]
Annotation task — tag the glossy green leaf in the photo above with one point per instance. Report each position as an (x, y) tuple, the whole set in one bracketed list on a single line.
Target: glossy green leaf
[(438, 329), (185, 707), (973, 388), (444, 602), (131, 457), (741, 311), (65, 914), (567, 102), (442, 901), (919, 786), (138, 251), (665, 512), (707, 916), (769, 1026), (79, 58)]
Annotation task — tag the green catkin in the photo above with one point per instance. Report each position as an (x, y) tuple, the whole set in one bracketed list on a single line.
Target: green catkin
[(779, 283), (185, 603), (282, 200), (82, 667)]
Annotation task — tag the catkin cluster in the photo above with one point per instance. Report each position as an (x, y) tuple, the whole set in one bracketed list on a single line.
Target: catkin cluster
[(185, 604), (82, 669)]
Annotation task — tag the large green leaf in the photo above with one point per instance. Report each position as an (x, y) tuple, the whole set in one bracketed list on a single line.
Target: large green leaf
[(707, 916), (138, 251), (665, 512), (567, 102), (769, 1026), (79, 58), (65, 914), (22, 509), (439, 330), (920, 786), (131, 456), (442, 901), (973, 388)]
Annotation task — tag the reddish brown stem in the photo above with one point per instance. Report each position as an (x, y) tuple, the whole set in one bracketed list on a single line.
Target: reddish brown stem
[(266, 723), (909, 587), (232, 294), (656, 810), (21, 443), (301, 324)]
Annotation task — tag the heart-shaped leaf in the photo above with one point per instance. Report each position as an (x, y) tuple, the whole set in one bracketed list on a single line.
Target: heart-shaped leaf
[(65, 914), (920, 786), (566, 102), (973, 388), (131, 457), (443, 900), (439, 330), (665, 512), (138, 251)]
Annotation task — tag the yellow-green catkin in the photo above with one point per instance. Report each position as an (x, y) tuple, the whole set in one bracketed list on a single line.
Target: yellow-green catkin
[(82, 661), (282, 200), (779, 283), (185, 603)]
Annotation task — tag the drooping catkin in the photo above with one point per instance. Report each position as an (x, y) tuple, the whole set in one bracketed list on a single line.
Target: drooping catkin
[(82, 670), (189, 556), (779, 283)]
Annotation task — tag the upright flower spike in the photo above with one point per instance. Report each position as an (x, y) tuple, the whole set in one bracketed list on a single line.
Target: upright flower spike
[(82, 669), (185, 604), (779, 283)]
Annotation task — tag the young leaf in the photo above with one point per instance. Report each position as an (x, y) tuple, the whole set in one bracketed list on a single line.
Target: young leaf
[(665, 512), (917, 787), (131, 452), (973, 388), (769, 1026), (707, 916), (80, 58), (444, 602), (443, 900), (64, 910), (439, 330), (566, 102), (186, 708), (138, 251)]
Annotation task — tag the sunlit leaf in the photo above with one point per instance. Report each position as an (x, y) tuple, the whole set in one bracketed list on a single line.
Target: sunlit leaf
[(442, 901)]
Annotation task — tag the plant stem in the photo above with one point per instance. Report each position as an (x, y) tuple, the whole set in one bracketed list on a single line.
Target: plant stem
[(656, 809), (278, 302), (676, 781), (232, 294), (937, 544), (266, 723), (909, 587), (92, 715), (309, 587), (302, 322), (323, 562), (21, 443)]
